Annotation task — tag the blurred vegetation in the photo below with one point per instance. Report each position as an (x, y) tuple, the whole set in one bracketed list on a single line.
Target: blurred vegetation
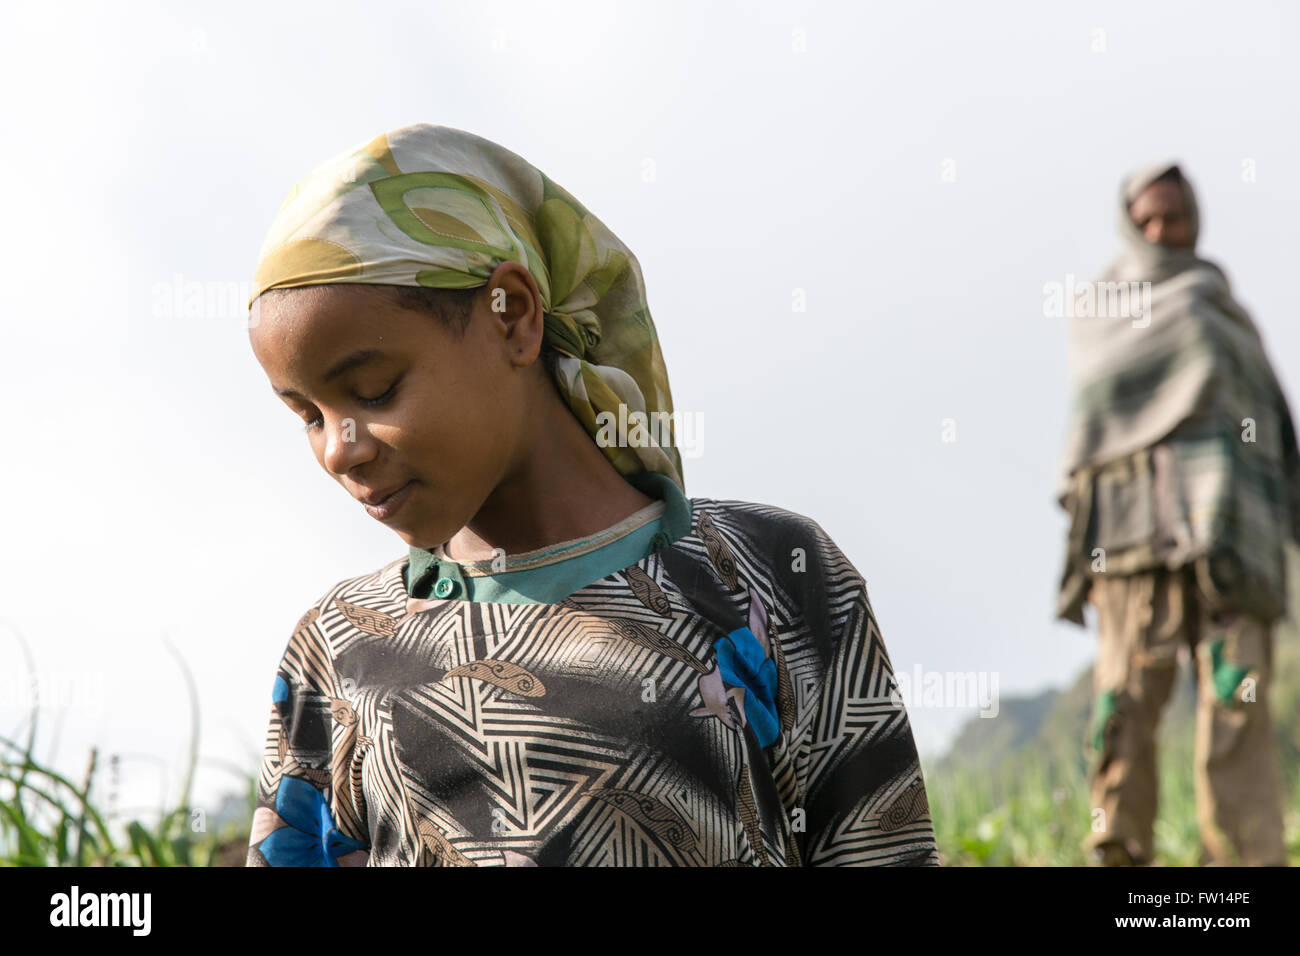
[(47, 819), (1013, 790)]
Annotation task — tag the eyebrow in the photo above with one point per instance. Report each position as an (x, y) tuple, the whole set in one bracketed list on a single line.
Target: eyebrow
[(338, 368)]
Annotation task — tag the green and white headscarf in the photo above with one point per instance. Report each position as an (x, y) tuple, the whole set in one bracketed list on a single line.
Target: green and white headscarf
[(438, 207)]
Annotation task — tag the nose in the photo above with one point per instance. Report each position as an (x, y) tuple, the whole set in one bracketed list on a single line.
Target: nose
[(1155, 230), (346, 445)]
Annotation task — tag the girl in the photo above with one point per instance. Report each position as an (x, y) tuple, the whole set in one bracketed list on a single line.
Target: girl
[(575, 664)]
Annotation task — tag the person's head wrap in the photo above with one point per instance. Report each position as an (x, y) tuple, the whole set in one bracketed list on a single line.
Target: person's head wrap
[(439, 207), (1144, 260)]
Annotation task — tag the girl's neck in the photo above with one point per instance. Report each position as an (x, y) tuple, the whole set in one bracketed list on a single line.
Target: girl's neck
[(564, 488)]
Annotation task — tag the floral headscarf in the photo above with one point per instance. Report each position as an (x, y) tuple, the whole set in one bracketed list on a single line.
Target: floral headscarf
[(435, 206)]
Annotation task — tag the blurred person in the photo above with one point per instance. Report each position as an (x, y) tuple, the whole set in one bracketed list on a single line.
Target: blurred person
[(572, 664), (1182, 482)]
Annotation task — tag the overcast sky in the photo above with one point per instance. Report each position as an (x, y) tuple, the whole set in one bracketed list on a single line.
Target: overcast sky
[(919, 171)]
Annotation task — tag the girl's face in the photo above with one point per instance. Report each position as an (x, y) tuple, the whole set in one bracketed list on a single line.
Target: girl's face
[(417, 423)]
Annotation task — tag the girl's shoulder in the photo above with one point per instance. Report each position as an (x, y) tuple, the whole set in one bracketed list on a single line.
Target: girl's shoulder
[(783, 558), (784, 548), (373, 603), (766, 527)]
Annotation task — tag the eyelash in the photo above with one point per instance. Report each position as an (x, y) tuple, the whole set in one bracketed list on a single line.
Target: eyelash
[(368, 402)]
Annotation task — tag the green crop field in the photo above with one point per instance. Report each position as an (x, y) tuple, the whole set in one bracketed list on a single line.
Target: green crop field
[(995, 804)]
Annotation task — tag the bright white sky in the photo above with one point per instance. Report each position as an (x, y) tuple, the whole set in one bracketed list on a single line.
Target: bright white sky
[(156, 488)]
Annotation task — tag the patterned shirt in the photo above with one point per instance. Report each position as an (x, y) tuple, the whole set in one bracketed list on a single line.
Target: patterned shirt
[(724, 700)]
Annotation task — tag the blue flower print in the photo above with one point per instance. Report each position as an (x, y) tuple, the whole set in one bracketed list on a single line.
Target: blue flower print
[(311, 837), (743, 662)]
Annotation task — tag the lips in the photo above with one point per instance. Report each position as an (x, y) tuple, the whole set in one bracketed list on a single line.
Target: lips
[(378, 497), (384, 505)]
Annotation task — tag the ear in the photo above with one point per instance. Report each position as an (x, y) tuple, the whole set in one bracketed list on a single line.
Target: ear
[(514, 301)]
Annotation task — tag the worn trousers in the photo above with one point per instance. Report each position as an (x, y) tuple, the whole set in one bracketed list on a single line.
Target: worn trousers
[(1144, 619)]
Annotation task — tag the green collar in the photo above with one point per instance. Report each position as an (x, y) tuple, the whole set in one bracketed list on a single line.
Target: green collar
[(552, 573)]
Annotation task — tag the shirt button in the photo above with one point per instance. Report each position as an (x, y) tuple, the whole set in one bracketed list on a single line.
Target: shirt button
[(659, 542), (444, 587)]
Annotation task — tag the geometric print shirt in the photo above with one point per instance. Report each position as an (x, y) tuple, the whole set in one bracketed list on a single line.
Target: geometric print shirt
[(726, 700)]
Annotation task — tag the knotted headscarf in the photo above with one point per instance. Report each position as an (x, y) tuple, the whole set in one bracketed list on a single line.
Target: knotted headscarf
[(438, 207)]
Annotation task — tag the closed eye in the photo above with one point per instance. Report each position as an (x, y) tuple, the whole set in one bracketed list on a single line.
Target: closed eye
[(368, 402), (381, 400)]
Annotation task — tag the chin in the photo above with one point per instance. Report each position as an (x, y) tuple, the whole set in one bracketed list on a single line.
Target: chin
[(416, 540), (422, 537), (408, 539)]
